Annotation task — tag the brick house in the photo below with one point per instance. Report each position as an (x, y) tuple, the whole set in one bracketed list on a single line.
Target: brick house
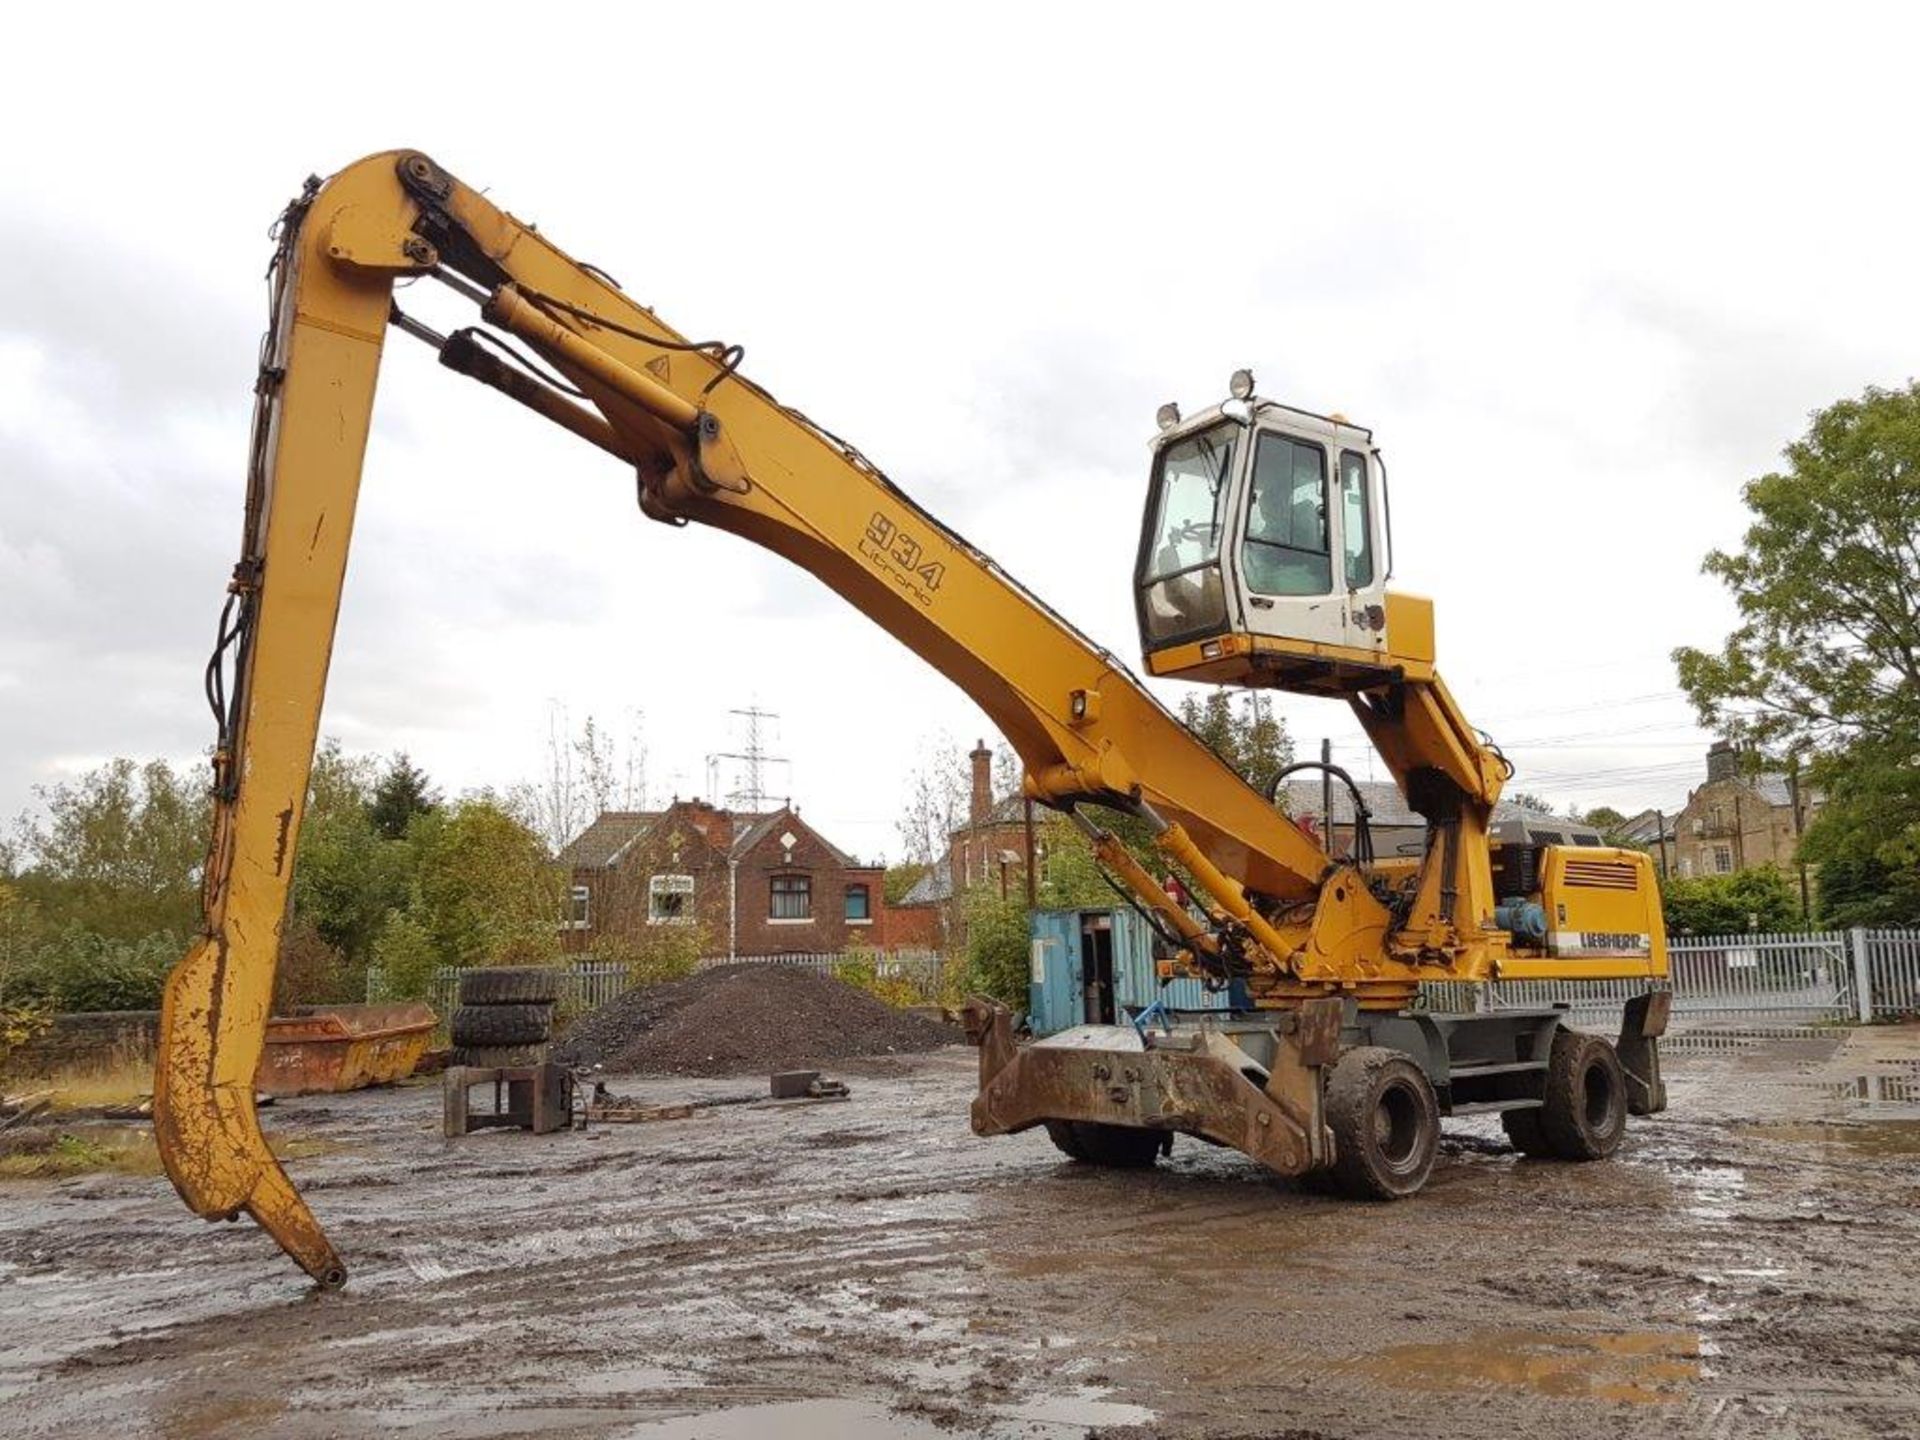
[(1740, 820), (989, 849), (755, 884)]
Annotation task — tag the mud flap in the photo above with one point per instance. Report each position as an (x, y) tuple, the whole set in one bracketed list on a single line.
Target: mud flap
[(1641, 1026)]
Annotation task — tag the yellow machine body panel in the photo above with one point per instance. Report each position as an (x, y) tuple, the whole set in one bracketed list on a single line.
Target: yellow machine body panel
[(1604, 920)]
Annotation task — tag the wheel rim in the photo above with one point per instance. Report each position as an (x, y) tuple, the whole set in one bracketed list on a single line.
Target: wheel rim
[(1597, 1097), (1397, 1124)]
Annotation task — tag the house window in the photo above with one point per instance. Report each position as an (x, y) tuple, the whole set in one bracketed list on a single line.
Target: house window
[(577, 903), (670, 900), (791, 898), (1722, 860), (859, 905)]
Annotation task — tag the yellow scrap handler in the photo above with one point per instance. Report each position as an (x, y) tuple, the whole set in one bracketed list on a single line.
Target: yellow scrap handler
[(1263, 562)]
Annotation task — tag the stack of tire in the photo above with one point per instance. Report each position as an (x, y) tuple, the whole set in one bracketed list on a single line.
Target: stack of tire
[(505, 1017)]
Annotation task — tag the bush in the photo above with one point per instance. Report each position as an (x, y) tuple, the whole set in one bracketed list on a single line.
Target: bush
[(998, 952), (76, 969), (20, 1022), (660, 952), (313, 972), (1758, 899), (405, 958), (865, 970)]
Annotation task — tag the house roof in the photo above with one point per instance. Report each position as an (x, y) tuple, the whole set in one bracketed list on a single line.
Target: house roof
[(1007, 810), (1388, 808), (758, 827), (610, 833), (613, 831), (1385, 804), (931, 888), (1645, 827)]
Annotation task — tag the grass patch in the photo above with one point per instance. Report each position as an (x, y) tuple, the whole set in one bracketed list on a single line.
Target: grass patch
[(88, 1089), (85, 1090), (43, 1153), (48, 1152)]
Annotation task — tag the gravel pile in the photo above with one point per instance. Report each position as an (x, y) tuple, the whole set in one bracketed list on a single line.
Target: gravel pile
[(745, 1019)]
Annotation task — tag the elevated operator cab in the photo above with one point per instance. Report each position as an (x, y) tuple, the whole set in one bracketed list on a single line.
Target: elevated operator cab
[(1265, 553)]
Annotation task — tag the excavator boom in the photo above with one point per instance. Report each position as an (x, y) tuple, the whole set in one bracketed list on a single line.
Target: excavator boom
[(708, 446)]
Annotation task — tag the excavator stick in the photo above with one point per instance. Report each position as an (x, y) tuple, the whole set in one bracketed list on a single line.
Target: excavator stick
[(319, 364)]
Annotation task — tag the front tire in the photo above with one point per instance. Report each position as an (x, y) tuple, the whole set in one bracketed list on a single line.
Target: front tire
[(1585, 1117), (1385, 1122), (1118, 1147)]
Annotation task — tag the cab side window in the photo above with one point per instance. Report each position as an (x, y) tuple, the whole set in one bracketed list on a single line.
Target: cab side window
[(1286, 550), (1356, 520)]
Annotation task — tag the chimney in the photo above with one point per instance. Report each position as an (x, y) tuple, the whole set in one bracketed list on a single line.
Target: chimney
[(1723, 762), (982, 782)]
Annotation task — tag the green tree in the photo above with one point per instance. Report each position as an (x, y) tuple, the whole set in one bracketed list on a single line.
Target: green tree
[(348, 877), (1243, 730), (1748, 900), (484, 890), (1866, 841), (1827, 581), (1533, 804), (1825, 661), (402, 793), (1604, 818), (117, 851)]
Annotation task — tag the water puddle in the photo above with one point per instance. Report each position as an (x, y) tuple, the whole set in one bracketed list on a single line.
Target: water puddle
[(1082, 1409), (1870, 1090), (1882, 1139), (794, 1420), (1058, 1417), (1638, 1367)]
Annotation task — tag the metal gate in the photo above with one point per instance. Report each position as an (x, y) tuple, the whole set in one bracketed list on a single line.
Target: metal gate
[(1757, 979)]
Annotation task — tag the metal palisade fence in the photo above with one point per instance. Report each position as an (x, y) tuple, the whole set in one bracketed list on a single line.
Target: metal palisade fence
[(589, 984), (1789, 979), (1810, 978)]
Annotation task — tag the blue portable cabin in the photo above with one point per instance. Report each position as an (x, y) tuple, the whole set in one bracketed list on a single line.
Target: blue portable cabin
[(1096, 967)]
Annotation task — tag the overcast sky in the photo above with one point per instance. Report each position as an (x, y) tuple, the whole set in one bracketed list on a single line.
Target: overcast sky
[(1582, 272)]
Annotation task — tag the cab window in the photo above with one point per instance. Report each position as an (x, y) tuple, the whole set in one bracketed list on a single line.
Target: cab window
[(1286, 551), (1356, 520)]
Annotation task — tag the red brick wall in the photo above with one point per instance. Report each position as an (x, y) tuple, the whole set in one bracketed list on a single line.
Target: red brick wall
[(688, 840), (976, 853), (826, 929), (916, 928)]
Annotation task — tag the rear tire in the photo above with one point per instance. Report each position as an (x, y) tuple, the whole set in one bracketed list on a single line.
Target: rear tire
[(1385, 1122), (1585, 1117), (1118, 1147)]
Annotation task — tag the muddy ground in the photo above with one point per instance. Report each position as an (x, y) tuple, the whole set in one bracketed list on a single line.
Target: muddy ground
[(1750, 1265)]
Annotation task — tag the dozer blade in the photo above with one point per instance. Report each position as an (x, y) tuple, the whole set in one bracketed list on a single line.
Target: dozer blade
[(1196, 1082), (211, 1036)]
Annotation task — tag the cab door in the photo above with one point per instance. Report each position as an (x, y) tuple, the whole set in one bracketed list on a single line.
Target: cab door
[(1359, 545), (1288, 539)]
